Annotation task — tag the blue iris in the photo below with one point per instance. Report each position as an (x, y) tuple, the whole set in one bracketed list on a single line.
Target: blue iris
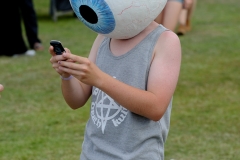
[(95, 14)]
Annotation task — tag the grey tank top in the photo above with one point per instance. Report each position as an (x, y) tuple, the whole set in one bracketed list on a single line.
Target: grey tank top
[(113, 132)]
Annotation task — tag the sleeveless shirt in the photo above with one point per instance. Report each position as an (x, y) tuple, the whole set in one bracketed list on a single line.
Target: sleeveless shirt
[(113, 132)]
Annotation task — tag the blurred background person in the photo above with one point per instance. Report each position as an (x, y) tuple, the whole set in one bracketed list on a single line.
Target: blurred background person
[(29, 17), (13, 42), (185, 18), (169, 17), (170, 14)]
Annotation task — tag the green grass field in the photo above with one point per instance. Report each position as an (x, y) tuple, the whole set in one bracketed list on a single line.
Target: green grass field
[(36, 123)]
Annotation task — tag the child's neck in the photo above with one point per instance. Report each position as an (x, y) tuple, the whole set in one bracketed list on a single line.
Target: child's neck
[(121, 46)]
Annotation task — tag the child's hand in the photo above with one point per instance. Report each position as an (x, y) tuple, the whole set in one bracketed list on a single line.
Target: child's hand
[(83, 69), (55, 59)]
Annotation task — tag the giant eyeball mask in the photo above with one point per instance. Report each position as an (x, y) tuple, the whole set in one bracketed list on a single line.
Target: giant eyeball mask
[(119, 19)]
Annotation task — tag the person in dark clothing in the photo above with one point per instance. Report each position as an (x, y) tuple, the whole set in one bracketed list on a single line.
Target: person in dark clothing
[(13, 42), (30, 22)]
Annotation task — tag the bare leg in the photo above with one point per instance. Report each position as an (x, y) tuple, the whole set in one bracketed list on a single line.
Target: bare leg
[(185, 19), (159, 18), (171, 14), (182, 22), (189, 15)]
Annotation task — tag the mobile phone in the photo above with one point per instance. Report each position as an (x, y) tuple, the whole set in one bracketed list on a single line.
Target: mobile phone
[(57, 47)]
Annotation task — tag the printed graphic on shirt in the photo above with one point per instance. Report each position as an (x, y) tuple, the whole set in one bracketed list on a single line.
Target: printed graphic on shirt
[(105, 111)]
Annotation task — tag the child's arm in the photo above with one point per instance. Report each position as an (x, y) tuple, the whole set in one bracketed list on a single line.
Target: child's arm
[(162, 81), (74, 91), (163, 77)]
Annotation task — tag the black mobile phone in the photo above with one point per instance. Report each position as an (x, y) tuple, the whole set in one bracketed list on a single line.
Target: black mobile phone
[(57, 45)]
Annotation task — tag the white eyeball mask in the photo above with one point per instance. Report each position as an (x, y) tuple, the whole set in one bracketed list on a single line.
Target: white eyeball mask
[(119, 19)]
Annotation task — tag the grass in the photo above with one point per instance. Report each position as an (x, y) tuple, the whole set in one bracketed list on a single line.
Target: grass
[(36, 123)]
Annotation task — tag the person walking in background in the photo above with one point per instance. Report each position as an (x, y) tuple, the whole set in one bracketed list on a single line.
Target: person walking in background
[(185, 18), (170, 14), (13, 42), (30, 23), (169, 17)]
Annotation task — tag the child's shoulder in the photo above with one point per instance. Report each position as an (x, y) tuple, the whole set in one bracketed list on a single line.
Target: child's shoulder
[(168, 38), (168, 43)]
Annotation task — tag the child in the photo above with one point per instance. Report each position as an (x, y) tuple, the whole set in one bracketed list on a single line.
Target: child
[(132, 82)]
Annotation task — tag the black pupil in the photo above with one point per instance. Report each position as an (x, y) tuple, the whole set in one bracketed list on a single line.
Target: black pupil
[(88, 14)]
